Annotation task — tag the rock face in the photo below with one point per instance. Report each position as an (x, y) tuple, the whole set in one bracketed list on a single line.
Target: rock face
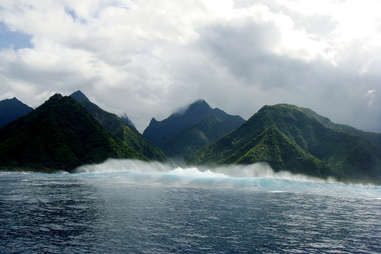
[(12, 109), (189, 129), (300, 141), (119, 129), (59, 135)]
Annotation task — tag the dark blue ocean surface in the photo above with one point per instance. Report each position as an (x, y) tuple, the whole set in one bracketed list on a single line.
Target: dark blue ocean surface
[(127, 207)]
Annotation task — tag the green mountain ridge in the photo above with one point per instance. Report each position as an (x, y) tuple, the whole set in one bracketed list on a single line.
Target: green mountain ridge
[(280, 152), (334, 152), (184, 132), (374, 138), (160, 132), (67, 132), (120, 129), (58, 135)]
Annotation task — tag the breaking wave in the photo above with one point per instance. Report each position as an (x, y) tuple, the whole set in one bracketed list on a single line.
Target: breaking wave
[(261, 170), (255, 177)]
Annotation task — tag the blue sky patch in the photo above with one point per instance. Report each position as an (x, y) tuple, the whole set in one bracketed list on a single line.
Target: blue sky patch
[(17, 40), (71, 13), (74, 16)]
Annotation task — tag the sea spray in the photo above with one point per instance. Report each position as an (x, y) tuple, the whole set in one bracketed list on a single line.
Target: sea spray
[(196, 173), (255, 177), (257, 170)]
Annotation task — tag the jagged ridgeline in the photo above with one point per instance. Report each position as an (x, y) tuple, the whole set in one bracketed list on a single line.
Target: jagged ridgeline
[(128, 121), (120, 129), (300, 141), (11, 109), (59, 135), (189, 129)]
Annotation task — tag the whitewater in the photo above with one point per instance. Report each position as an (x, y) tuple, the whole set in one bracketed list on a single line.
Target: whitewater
[(255, 177), (129, 206)]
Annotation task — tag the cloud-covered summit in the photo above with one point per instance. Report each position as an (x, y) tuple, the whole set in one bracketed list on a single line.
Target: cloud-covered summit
[(147, 58)]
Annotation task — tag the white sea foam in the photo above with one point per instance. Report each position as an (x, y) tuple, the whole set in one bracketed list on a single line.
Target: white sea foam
[(258, 170), (255, 177), (195, 172)]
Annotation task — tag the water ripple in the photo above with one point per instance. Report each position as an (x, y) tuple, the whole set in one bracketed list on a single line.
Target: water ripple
[(113, 213)]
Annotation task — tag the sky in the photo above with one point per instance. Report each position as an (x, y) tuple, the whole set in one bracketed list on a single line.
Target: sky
[(148, 58)]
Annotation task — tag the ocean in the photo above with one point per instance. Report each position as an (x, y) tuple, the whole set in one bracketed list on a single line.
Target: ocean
[(127, 206)]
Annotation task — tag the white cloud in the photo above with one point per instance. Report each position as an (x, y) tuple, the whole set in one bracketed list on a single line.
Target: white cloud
[(147, 58), (371, 96)]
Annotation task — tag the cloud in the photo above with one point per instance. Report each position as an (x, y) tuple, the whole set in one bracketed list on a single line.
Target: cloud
[(148, 58)]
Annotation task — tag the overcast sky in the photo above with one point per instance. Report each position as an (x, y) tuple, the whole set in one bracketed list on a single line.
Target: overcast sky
[(148, 58)]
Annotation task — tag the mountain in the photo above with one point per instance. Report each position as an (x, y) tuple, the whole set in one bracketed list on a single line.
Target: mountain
[(374, 138), (128, 121), (160, 131), (189, 129), (58, 135), (12, 109), (298, 140), (118, 128)]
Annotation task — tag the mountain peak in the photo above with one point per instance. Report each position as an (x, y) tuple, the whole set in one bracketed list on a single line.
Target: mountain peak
[(117, 127), (11, 100), (299, 140), (79, 96), (11, 109), (200, 103), (198, 107), (73, 138), (55, 97), (189, 128)]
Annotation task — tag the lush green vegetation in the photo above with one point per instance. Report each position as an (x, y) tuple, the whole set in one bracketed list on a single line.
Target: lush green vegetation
[(298, 140), (374, 138), (182, 133), (66, 132), (128, 121), (117, 127), (58, 135)]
